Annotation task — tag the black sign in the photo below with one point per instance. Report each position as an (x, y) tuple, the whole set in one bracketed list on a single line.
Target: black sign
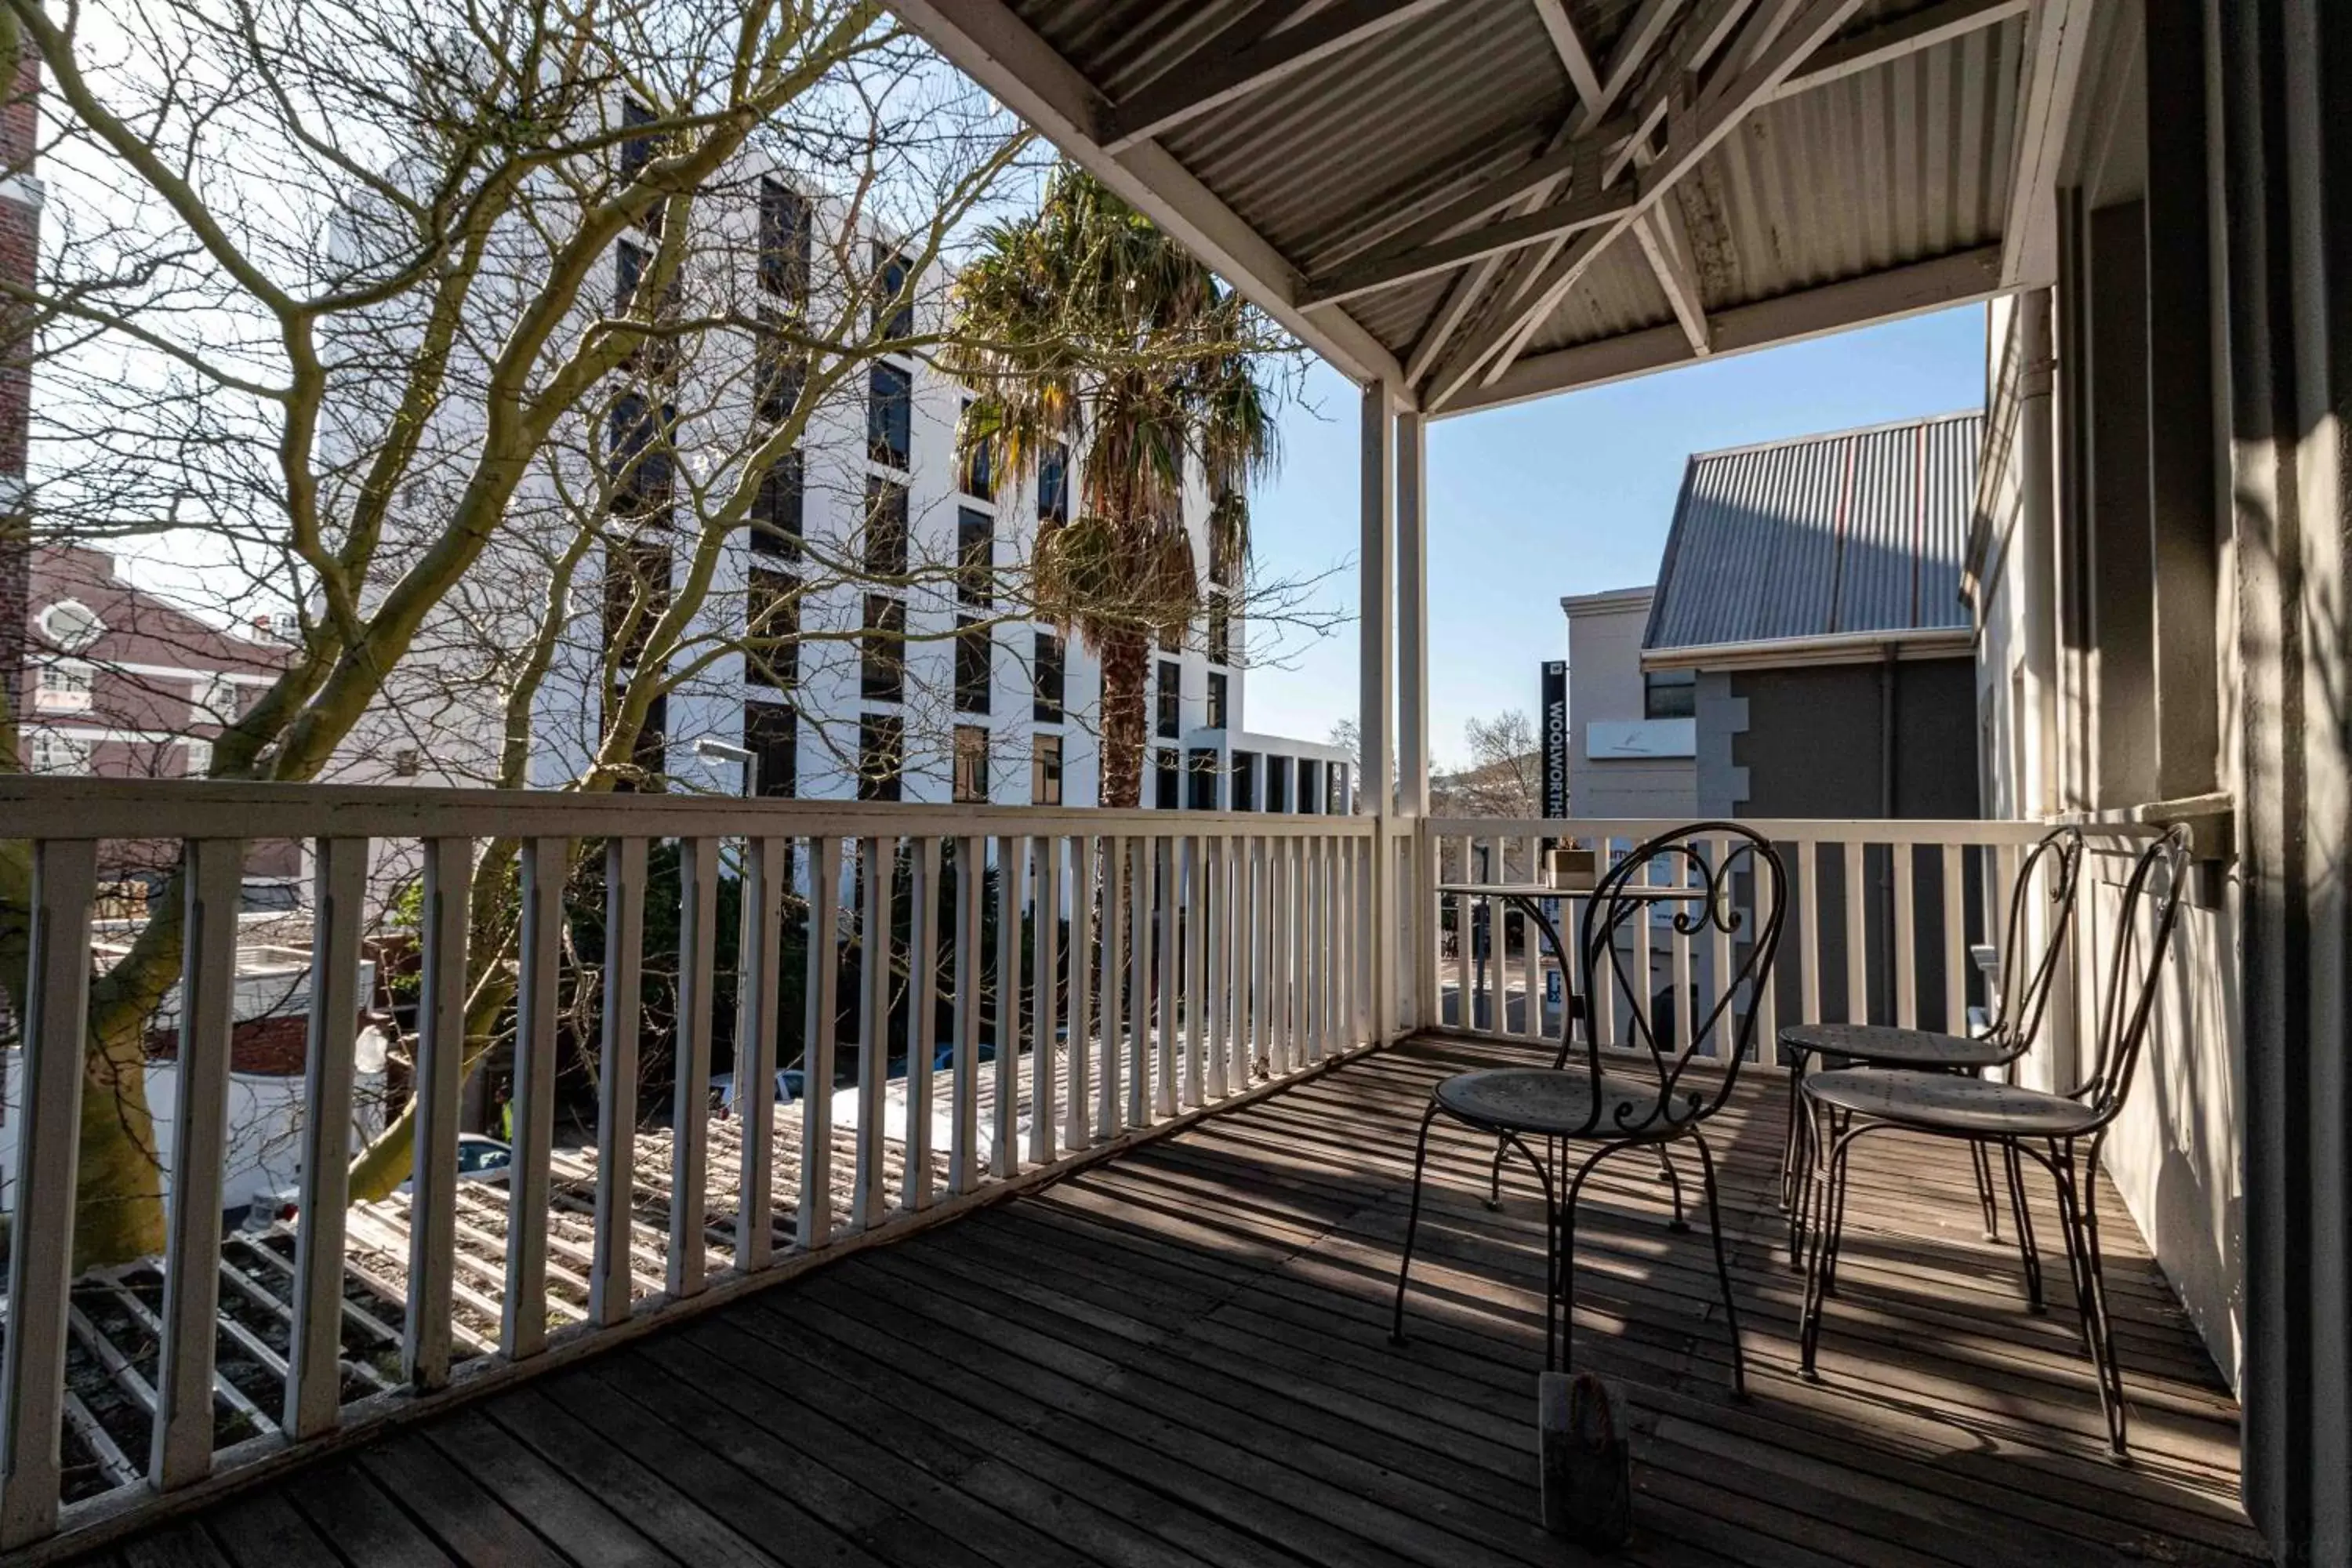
[(1555, 738)]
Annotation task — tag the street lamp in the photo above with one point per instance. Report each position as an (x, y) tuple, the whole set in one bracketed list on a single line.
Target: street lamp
[(714, 752)]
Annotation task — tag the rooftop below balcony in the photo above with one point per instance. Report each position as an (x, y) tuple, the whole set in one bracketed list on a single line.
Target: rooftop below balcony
[(1180, 1357)]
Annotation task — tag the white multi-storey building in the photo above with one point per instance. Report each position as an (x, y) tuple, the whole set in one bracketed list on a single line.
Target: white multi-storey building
[(898, 660)]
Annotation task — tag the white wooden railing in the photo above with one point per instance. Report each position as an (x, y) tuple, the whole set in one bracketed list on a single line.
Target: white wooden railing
[(1909, 951), (1173, 962), (1133, 970)]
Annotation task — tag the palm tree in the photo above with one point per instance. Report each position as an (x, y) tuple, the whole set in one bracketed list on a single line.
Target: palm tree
[(1090, 338)]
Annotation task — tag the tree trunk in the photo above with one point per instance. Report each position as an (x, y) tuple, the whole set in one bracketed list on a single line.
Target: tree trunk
[(1126, 661), (118, 1205)]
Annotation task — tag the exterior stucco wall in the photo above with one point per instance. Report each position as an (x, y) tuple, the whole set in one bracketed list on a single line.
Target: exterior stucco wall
[(1605, 684)]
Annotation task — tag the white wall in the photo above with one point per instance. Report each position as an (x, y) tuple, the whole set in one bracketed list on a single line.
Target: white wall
[(2175, 1154)]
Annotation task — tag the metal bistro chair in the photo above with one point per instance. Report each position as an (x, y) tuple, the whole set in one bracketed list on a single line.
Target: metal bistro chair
[(1633, 1103), (2054, 864), (2063, 1132)]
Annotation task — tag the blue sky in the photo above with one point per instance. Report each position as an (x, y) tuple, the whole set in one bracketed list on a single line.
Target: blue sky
[(1565, 495)]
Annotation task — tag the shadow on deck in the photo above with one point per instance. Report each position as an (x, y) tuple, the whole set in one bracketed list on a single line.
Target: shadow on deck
[(1180, 1359)]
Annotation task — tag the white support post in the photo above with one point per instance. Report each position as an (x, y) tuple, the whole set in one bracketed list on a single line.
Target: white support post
[(1376, 695), (1412, 663), (180, 1449)]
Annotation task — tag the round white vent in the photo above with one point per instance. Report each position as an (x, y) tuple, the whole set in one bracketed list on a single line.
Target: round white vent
[(70, 624)]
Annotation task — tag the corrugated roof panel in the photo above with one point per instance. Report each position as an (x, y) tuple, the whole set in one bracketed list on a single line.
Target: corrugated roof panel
[(1121, 45), (1902, 162), (1398, 315), (1315, 150), (1619, 293), (1858, 532)]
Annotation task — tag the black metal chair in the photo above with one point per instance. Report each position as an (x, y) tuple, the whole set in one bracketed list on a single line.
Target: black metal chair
[(1637, 1098), (2064, 1133), (2053, 866)]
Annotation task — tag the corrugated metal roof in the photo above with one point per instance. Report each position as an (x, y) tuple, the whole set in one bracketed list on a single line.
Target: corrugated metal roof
[(1321, 148), (1905, 162), (1863, 530)]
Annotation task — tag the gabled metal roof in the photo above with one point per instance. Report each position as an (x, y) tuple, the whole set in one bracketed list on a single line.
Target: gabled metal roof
[(1481, 201), (1824, 536)]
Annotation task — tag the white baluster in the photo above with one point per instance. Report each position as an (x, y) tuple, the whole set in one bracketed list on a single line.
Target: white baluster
[(814, 1227), (212, 878), (314, 1353), (689, 1164), (1011, 879), (759, 1010), (1076, 1100), (1044, 981), (1138, 984), (1164, 1055), (1215, 912), (522, 1328), (1192, 916), (57, 1013), (1110, 1001), (1907, 939), (869, 1204), (923, 1005), (963, 1142), (440, 1068), (1955, 943)]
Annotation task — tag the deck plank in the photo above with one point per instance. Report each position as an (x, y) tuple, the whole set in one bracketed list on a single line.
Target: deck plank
[(1179, 1360)]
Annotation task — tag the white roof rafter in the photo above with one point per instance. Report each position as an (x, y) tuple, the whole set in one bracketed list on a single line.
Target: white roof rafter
[(1690, 137), (1633, 48)]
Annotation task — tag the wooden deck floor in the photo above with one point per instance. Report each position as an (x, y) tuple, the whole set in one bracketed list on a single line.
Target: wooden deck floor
[(1179, 1359)]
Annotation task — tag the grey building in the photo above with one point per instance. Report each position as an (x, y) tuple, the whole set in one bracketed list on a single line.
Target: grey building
[(1805, 653)]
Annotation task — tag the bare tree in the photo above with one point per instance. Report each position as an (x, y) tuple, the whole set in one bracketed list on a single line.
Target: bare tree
[(1504, 776), (430, 332)]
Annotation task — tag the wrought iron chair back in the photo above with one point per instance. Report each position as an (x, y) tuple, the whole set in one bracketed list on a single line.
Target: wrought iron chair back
[(2057, 860), (2135, 971), (1704, 898)]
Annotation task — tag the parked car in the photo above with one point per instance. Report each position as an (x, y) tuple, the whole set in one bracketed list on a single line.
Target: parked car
[(722, 1090), (480, 1159)]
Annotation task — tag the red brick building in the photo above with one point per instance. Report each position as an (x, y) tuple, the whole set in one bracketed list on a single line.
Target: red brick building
[(119, 682), (20, 240)]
